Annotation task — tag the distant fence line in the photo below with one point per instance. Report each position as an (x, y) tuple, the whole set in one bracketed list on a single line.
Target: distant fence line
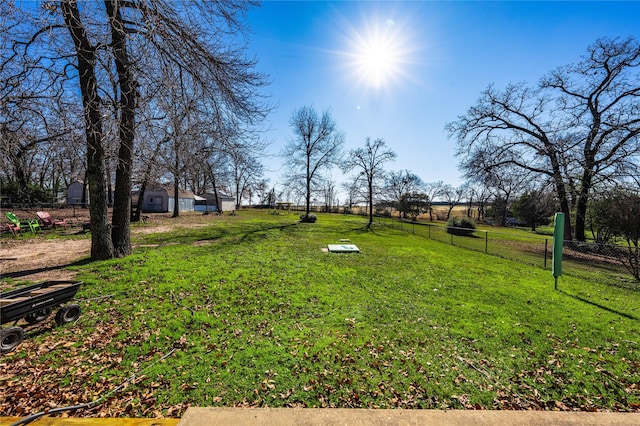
[(531, 250), (439, 212), (612, 264)]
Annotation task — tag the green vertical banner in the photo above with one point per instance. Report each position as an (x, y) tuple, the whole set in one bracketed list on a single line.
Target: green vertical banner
[(558, 239)]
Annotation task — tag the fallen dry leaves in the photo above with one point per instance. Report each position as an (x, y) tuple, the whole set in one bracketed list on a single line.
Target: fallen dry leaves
[(74, 371)]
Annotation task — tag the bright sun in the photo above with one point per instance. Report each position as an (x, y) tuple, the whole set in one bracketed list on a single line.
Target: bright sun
[(377, 61), (378, 54)]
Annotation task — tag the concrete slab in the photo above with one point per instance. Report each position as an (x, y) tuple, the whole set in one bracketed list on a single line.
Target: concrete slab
[(73, 421), (371, 417), (343, 248)]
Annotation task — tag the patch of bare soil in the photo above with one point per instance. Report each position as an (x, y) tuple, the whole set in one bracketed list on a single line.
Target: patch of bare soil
[(41, 259)]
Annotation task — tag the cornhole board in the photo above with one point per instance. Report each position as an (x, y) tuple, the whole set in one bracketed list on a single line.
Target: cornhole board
[(343, 248)]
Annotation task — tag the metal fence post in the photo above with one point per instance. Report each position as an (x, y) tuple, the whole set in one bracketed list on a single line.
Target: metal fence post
[(546, 250), (486, 242)]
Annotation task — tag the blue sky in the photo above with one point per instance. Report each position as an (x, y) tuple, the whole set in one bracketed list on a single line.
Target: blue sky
[(433, 59)]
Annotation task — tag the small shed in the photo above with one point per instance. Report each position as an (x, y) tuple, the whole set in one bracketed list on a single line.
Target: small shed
[(74, 194), (186, 201), (161, 200), (207, 202), (156, 200)]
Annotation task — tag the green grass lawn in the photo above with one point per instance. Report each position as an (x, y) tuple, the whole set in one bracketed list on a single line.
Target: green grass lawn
[(261, 316)]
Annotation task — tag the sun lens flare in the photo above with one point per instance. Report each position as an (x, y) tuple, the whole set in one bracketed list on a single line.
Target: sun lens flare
[(377, 61), (377, 55)]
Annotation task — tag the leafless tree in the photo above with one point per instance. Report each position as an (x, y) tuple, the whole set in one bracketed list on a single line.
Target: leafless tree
[(432, 191), (354, 189), (37, 117), (452, 196), (480, 196), (400, 184), (118, 50), (261, 187), (369, 161), (246, 171), (581, 123), (315, 148), (86, 55), (329, 194)]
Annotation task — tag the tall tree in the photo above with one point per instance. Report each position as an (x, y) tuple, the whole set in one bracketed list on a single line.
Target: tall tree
[(329, 195), (452, 195), (432, 190), (581, 122), (399, 185), (119, 50), (413, 204), (86, 63), (369, 161), (126, 103), (315, 148), (245, 171), (534, 207), (479, 196), (602, 96)]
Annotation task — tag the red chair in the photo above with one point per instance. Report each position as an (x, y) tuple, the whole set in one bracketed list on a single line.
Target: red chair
[(48, 222), (14, 228)]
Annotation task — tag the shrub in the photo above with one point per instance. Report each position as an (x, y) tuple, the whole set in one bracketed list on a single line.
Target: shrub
[(14, 193), (308, 218), (463, 226)]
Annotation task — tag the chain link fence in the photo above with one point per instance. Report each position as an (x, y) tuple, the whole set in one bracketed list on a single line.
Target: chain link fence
[(610, 264)]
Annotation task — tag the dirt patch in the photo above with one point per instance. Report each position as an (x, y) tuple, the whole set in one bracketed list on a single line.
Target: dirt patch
[(41, 258)]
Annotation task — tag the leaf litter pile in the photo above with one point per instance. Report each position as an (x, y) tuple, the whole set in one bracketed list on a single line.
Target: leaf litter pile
[(31, 384)]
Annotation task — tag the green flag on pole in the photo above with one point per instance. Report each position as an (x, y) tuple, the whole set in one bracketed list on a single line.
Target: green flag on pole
[(558, 239)]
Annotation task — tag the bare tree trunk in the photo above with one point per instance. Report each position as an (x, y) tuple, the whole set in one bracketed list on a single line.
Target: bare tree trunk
[(176, 193), (215, 193), (135, 213), (127, 104), (370, 187), (101, 245), (562, 197), (308, 188), (84, 199), (581, 205)]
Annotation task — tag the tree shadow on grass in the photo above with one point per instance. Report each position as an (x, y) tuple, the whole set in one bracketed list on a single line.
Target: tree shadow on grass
[(255, 232), (598, 305), (19, 274), (366, 228), (183, 236)]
